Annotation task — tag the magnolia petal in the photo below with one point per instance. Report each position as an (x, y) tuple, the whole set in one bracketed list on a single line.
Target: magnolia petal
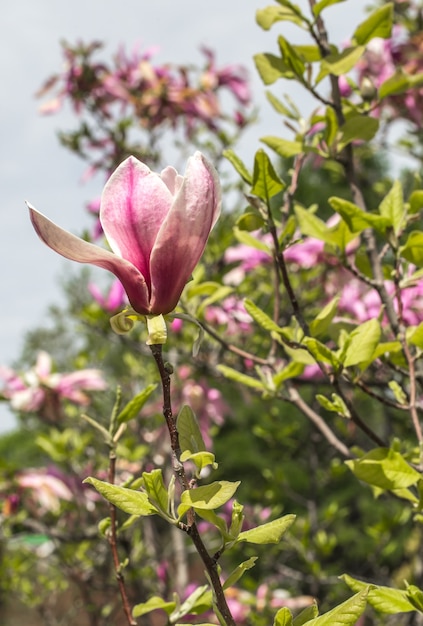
[(184, 233), (76, 249), (134, 203)]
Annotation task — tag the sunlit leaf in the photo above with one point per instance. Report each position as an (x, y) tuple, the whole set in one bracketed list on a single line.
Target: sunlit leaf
[(382, 599), (272, 532), (384, 468), (128, 500)]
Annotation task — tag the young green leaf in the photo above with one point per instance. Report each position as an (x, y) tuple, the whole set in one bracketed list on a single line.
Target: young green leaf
[(357, 128), (128, 500), (239, 571), (356, 219), (283, 617), (238, 165), (317, 9), (200, 459), (209, 496), (199, 601), (190, 437), (341, 63), (362, 343), (271, 68), (283, 147), (345, 614), (382, 599), (157, 493), (377, 24), (306, 615), (268, 16), (416, 201), (271, 532), (238, 377), (153, 604), (266, 183), (392, 207), (260, 317), (412, 250), (135, 405), (323, 320), (384, 468)]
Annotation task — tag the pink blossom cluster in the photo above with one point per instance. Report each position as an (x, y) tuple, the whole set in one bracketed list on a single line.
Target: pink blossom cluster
[(41, 389), (382, 59), (152, 94)]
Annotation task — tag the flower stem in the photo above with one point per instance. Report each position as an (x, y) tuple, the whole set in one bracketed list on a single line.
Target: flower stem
[(191, 528)]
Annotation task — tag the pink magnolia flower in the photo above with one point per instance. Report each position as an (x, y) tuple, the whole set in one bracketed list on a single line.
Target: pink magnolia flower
[(157, 226), (33, 389), (114, 298)]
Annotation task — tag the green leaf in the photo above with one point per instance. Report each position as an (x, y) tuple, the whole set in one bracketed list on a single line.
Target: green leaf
[(392, 207), (341, 63), (356, 219), (283, 617), (157, 493), (291, 57), (239, 571), (382, 599), (412, 250), (292, 114), (250, 221), (153, 604), (318, 8), (238, 165), (199, 601), (395, 84), (362, 343), (320, 351), (323, 320), (243, 237), (415, 596), (268, 16), (292, 370), (209, 496), (357, 128), (266, 183), (128, 500), (337, 405), (238, 377), (190, 437), (416, 201), (283, 147), (377, 24), (384, 468), (135, 405), (261, 317), (271, 68), (416, 337), (200, 459), (345, 614), (272, 532), (311, 225), (306, 614)]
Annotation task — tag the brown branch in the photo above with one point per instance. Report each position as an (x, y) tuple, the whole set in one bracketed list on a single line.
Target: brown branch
[(295, 398), (191, 528)]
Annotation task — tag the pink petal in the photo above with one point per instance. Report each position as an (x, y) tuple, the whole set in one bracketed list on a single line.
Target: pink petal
[(75, 249), (184, 233), (134, 203)]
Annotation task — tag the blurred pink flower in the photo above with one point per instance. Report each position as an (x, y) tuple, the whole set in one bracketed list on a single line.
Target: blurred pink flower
[(28, 392), (114, 299), (47, 490)]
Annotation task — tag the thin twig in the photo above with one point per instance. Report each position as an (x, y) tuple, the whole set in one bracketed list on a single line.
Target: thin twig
[(296, 399), (112, 538)]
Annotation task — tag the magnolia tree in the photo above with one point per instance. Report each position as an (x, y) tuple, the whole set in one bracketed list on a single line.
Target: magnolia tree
[(247, 428)]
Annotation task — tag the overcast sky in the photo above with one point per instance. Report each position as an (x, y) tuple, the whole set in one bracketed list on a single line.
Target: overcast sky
[(33, 164)]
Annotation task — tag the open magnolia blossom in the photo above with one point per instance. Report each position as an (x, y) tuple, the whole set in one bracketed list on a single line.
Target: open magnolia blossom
[(157, 226)]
